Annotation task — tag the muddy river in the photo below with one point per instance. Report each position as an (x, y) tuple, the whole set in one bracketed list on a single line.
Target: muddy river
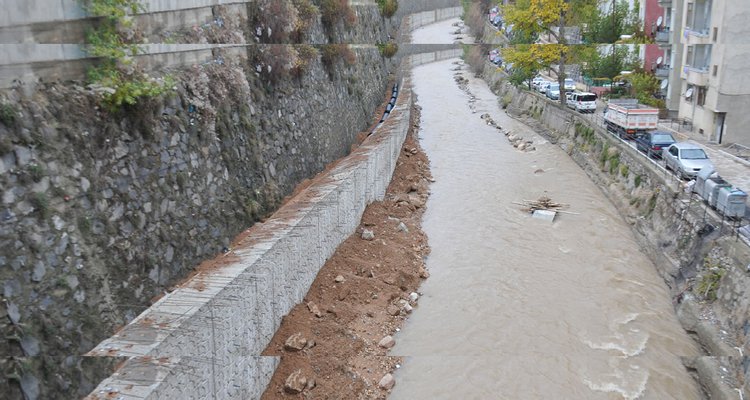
[(518, 307)]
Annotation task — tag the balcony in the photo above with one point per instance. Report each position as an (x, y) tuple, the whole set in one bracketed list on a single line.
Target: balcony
[(696, 36), (662, 37), (695, 76), (665, 3), (661, 72)]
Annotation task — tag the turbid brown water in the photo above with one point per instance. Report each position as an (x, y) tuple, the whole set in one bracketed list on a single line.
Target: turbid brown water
[(516, 307)]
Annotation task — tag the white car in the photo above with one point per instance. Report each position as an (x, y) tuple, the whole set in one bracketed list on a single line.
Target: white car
[(553, 91), (582, 102), (542, 87), (569, 85), (536, 81)]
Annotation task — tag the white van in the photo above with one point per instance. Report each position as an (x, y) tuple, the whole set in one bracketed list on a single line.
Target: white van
[(583, 102)]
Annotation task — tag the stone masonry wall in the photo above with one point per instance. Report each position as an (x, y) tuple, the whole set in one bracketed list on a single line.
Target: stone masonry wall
[(218, 323), (103, 211)]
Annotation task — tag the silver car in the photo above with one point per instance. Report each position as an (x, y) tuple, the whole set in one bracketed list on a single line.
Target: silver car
[(686, 159), (553, 91)]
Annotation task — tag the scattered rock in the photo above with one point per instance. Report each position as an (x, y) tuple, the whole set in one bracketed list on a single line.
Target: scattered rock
[(314, 309), (413, 296), (368, 234), (295, 383), (406, 306), (295, 342), (30, 387), (387, 382), (339, 278), (392, 310), (416, 200), (30, 346), (402, 227), (387, 342), (13, 313), (424, 273), (310, 384)]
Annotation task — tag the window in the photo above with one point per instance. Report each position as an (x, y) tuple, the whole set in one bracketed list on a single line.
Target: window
[(716, 69), (716, 33), (700, 95)]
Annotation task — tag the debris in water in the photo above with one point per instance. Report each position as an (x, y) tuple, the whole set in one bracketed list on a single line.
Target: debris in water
[(544, 203)]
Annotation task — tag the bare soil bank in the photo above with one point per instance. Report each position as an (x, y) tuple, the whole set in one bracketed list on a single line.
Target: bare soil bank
[(359, 297)]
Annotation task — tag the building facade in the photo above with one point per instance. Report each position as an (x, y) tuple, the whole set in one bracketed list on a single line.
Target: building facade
[(705, 76)]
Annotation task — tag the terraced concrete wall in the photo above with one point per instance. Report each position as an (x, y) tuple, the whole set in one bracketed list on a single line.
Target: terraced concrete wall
[(429, 17)]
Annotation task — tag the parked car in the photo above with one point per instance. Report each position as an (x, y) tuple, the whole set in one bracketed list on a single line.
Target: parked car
[(568, 98), (652, 143), (553, 91), (570, 85), (583, 102), (536, 81), (542, 87), (686, 159)]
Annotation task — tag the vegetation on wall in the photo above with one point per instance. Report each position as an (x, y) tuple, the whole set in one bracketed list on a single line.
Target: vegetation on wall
[(388, 50), (388, 7), (334, 11), (115, 41)]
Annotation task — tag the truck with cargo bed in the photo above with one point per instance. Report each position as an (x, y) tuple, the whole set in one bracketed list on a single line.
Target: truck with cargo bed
[(628, 119)]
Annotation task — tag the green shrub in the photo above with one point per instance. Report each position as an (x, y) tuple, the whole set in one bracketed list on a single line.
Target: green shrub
[(334, 11), (7, 115), (506, 100), (709, 283), (308, 14), (624, 171), (124, 89), (41, 204), (604, 154), (614, 163), (388, 50), (36, 172), (388, 7), (638, 180), (306, 54), (107, 42), (652, 203), (330, 54)]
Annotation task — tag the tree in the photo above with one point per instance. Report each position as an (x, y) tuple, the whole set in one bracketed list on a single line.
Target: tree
[(644, 86), (529, 59), (535, 17), (602, 62), (608, 27)]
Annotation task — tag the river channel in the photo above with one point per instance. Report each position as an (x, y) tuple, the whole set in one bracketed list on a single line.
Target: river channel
[(518, 307)]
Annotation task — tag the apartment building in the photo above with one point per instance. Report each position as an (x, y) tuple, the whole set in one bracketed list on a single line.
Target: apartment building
[(705, 66)]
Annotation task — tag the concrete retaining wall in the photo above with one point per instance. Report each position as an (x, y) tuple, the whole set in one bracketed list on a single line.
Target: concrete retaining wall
[(429, 17)]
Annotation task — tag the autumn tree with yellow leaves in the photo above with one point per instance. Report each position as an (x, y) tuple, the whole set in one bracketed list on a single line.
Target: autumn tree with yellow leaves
[(543, 18), (529, 59)]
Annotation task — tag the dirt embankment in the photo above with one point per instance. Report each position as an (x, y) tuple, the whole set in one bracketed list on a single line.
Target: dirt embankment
[(329, 344)]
